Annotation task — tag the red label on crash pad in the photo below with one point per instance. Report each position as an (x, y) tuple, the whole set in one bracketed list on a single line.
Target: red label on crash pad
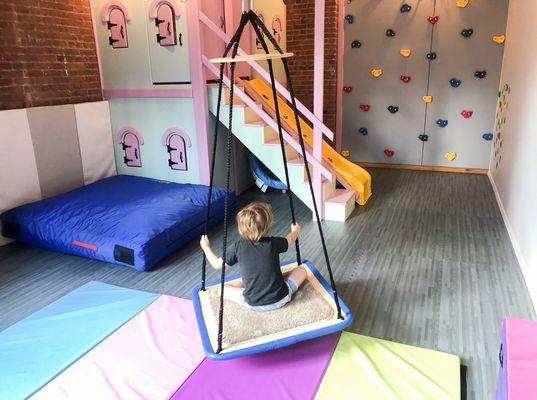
[(85, 245)]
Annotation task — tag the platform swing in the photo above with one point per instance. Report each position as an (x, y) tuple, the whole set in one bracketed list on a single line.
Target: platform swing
[(316, 310)]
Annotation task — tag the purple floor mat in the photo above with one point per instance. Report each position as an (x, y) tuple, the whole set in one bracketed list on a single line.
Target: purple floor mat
[(289, 373)]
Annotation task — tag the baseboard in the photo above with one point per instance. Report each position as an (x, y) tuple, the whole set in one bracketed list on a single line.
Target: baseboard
[(528, 278), (455, 170)]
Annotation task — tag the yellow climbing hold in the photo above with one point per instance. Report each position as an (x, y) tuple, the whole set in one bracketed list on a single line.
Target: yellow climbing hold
[(500, 39), (450, 156), (428, 99), (345, 153), (376, 72), (462, 3), (405, 52)]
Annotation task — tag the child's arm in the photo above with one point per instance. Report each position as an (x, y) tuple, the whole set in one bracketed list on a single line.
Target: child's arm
[(213, 259), (295, 231)]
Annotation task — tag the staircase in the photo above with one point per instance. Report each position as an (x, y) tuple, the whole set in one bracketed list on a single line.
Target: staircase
[(263, 141)]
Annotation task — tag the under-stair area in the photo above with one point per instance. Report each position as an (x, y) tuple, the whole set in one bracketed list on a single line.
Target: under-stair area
[(262, 140)]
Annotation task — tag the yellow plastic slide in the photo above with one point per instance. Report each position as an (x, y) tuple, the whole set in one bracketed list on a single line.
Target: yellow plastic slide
[(357, 177)]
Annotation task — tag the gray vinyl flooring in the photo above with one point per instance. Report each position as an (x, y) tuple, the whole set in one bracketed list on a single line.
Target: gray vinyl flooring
[(427, 262)]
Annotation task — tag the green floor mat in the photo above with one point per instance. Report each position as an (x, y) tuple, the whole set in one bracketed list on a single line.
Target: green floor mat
[(367, 368)]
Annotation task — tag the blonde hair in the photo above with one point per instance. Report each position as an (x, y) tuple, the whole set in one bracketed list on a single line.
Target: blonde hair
[(254, 221)]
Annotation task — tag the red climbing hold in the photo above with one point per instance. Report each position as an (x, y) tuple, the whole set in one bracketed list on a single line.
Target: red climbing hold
[(347, 89), (467, 113), (405, 78), (364, 107), (433, 19), (389, 153)]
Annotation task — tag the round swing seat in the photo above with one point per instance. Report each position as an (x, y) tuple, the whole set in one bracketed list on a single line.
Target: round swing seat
[(310, 314)]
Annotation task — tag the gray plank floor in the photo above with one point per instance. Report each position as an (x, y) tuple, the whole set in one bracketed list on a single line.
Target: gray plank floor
[(427, 262)]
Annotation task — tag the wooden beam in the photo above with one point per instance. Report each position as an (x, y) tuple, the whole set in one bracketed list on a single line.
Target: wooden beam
[(250, 57), (456, 170)]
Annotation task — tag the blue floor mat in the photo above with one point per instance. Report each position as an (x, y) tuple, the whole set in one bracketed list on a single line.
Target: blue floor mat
[(41, 346)]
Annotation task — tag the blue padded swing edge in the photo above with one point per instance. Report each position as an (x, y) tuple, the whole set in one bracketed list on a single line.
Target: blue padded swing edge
[(276, 344)]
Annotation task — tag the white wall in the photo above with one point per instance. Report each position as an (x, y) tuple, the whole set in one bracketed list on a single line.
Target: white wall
[(515, 177)]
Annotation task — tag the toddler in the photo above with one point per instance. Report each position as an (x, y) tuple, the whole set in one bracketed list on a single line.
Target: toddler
[(263, 286)]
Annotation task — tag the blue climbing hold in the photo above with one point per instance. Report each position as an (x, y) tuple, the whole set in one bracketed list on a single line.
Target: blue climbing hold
[(487, 136), (363, 131), (455, 82), (349, 18), (431, 56), (406, 8), (442, 123)]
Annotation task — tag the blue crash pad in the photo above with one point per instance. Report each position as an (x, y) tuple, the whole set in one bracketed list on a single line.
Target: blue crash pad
[(35, 350)]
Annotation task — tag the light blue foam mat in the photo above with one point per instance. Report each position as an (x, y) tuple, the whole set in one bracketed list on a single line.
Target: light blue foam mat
[(38, 348)]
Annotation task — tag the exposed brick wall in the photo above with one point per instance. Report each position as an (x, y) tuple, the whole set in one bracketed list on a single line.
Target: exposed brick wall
[(300, 38), (47, 53)]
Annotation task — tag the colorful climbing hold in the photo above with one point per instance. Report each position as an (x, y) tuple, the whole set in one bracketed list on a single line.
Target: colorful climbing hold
[(356, 44), (442, 123), (405, 52), (405, 8), (480, 74), (389, 153), (347, 89), (433, 19), (500, 39), (427, 99), (467, 32), (450, 156), (462, 3), (467, 113), (487, 136), (363, 131), (390, 33), (349, 18), (455, 82), (423, 137), (393, 109), (376, 72), (405, 78), (345, 153), (364, 107), (431, 56)]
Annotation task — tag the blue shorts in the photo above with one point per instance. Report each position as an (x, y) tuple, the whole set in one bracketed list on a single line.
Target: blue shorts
[(293, 287)]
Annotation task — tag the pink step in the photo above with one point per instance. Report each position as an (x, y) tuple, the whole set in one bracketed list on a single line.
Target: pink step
[(340, 196)]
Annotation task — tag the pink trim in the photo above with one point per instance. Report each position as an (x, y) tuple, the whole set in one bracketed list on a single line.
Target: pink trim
[(281, 90), (129, 129), (147, 93), (176, 131), (105, 10), (339, 75), (258, 109), (98, 50), (318, 98), (152, 13), (199, 89)]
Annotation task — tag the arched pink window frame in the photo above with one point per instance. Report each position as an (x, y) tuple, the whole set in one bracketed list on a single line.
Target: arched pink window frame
[(121, 138), (153, 7), (168, 134), (107, 7)]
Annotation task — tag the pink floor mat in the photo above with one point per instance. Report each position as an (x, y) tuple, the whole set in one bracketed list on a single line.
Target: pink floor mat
[(148, 358)]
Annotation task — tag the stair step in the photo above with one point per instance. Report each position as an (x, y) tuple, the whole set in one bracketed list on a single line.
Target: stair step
[(261, 124), (296, 161), (340, 196), (273, 142)]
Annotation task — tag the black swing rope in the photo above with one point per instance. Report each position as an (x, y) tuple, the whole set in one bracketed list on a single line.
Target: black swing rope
[(233, 46), (280, 135), (256, 21)]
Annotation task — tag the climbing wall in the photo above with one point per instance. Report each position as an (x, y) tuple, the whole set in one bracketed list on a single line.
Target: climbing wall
[(421, 80)]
